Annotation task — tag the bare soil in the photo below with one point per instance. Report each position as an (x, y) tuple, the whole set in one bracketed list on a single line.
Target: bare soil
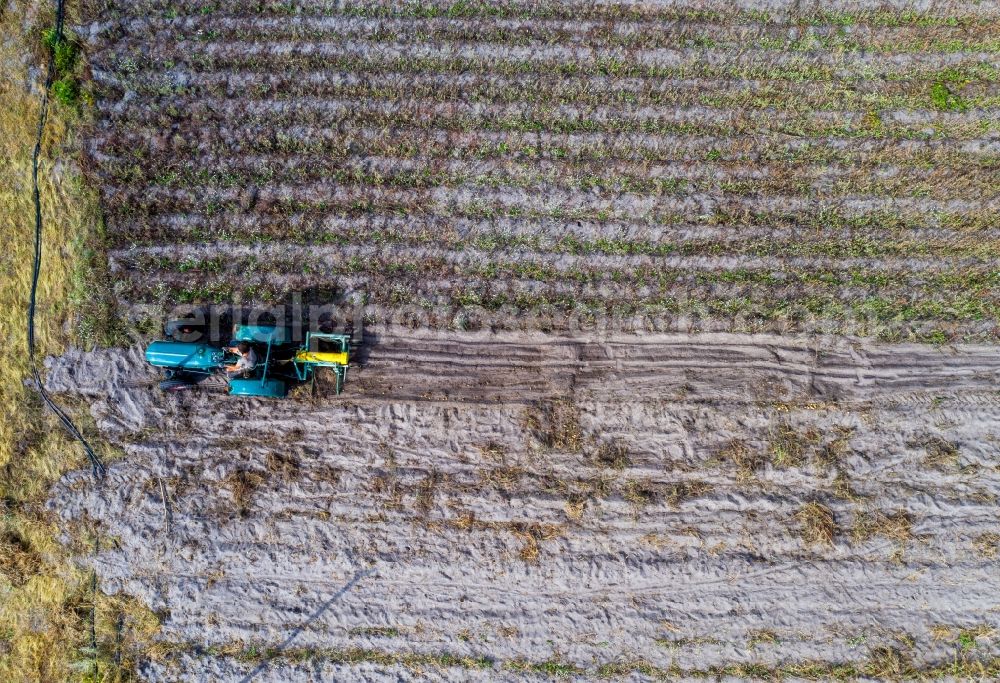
[(514, 500)]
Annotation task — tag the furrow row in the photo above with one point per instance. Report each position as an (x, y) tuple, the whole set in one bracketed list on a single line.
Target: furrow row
[(627, 93), (357, 139), (484, 202), (541, 235), (420, 289), (598, 178), (588, 262), (522, 32), (838, 13), (526, 118), (457, 57)]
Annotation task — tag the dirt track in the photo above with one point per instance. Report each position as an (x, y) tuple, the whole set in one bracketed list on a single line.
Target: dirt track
[(535, 499)]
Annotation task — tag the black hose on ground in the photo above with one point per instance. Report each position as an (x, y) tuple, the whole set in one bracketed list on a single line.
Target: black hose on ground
[(96, 465)]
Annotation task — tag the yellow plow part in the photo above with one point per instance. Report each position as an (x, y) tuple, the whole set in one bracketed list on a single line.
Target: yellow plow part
[(326, 357)]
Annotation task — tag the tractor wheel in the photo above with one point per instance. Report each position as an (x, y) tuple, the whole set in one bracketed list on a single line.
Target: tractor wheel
[(185, 330), (175, 385)]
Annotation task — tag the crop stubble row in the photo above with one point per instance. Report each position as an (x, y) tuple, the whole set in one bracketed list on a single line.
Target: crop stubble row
[(428, 117)]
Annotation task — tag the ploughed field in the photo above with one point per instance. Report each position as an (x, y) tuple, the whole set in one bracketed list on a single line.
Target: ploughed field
[(482, 506), (486, 503), (703, 167)]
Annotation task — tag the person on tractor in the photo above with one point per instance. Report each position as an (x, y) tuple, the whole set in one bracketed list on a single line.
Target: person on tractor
[(246, 363)]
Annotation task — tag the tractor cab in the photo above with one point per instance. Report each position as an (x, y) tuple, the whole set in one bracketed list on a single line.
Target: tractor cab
[(269, 342)]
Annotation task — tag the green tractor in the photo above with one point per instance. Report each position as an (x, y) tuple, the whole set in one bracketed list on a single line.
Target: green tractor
[(187, 360)]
